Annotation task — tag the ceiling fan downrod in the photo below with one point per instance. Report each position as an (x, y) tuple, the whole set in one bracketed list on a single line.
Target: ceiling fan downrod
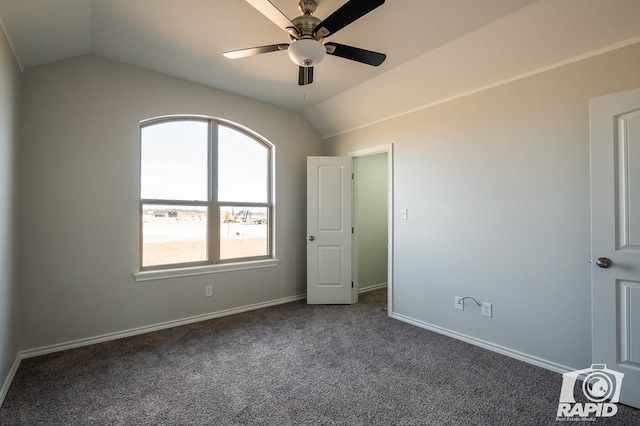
[(306, 23), (307, 7)]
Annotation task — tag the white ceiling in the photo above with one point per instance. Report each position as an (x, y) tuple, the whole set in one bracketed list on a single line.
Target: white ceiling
[(433, 45)]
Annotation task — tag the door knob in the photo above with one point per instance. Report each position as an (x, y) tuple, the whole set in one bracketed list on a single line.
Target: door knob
[(311, 238), (604, 262)]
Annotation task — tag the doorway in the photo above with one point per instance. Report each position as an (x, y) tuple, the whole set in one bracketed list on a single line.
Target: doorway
[(373, 220)]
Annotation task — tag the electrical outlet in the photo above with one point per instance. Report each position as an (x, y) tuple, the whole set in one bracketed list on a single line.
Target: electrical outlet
[(208, 290), (459, 303), (487, 309)]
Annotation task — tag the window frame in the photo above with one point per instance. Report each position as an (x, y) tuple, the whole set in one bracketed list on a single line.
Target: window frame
[(213, 263)]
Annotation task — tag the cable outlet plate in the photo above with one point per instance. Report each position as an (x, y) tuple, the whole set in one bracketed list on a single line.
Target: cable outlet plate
[(459, 305), (208, 290), (487, 309)]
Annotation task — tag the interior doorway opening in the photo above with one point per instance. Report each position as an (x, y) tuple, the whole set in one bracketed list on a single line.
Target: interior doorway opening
[(373, 221)]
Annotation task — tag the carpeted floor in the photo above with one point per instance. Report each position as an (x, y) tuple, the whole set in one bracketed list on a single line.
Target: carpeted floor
[(292, 364)]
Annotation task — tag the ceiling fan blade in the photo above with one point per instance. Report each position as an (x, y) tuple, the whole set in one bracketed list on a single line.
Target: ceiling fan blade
[(305, 76), (252, 51), (346, 14), (355, 54), (274, 15)]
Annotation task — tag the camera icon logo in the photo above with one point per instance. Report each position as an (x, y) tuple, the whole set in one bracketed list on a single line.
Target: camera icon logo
[(600, 385)]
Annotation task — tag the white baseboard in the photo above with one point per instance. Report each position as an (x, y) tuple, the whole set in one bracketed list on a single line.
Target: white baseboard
[(7, 382), (30, 353), (372, 287), (549, 365)]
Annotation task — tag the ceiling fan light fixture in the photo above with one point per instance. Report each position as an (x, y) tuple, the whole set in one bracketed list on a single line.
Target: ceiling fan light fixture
[(306, 52)]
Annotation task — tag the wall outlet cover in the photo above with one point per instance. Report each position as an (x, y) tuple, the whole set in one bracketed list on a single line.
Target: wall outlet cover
[(459, 305), (487, 309)]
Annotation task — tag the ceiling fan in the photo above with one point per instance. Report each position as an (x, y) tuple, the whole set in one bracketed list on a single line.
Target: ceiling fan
[(306, 33)]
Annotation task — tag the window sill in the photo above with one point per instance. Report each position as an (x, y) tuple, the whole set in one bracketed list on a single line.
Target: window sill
[(201, 270)]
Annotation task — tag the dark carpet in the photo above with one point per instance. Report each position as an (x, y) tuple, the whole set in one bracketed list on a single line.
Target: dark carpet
[(292, 364)]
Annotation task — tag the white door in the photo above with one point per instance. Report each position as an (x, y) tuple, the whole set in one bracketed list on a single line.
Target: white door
[(329, 230), (615, 234)]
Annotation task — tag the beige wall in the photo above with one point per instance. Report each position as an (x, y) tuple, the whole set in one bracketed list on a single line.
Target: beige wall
[(9, 91), (79, 209), (497, 189)]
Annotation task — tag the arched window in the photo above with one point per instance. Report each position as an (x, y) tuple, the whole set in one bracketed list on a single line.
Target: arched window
[(205, 194)]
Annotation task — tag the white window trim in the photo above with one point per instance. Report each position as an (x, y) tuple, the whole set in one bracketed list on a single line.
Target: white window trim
[(161, 274)]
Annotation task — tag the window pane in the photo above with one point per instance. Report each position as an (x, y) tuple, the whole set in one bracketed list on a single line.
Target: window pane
[(173, 234), (242, 167), (243, 232), (175, 161)]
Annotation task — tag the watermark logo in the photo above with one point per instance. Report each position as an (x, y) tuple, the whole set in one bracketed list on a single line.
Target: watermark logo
[(600, 385)]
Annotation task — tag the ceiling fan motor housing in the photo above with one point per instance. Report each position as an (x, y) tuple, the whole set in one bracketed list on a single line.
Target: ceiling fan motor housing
[(306, 24)]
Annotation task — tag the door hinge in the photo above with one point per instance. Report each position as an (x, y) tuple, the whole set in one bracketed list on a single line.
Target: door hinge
[(352, 229), (351, 284), (353, 176)]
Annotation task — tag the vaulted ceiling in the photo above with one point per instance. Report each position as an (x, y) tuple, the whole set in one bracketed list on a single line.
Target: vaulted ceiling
[(436, 49)]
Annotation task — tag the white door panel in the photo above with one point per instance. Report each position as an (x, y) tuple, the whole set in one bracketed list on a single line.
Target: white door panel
[(615, 198), (329, 230)]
